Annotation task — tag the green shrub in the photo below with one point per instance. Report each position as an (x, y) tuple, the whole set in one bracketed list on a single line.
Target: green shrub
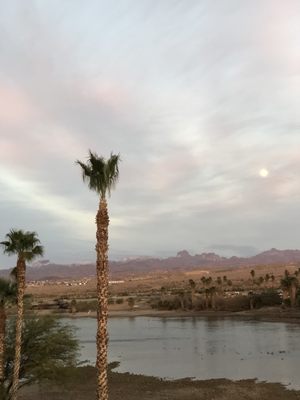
[(83, 306), (268, 298), (236, 303), (200, 304), (172, 303), (48, 346), (131, 302)]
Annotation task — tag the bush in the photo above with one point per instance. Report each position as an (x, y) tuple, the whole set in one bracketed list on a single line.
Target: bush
[(171, 303), (237, 303), (268, 298), (131, 302), (200, 304), (48, 346), (83, 306)]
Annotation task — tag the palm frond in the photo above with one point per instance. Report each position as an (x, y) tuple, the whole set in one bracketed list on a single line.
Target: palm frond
[(100, 174), (24, 244), (86, 170), (289, 281), (112, 170)]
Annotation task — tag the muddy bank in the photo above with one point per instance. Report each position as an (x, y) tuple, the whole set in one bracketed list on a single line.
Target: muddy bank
[(80, 385)]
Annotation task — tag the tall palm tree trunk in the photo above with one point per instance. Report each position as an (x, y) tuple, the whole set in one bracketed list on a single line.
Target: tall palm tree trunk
[(102, 221), (2, 341), (19, 325)]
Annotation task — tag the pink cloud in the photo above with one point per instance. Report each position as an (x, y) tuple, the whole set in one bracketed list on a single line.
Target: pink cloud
[(108, 93), (15, 106)]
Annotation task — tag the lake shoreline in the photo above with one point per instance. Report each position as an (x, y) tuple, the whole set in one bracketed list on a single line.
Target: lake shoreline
[(81, 385), (270, 314)]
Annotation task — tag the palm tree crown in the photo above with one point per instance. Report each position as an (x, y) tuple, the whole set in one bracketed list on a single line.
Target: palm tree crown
[(100, 174), (25, 244), (289, 281)]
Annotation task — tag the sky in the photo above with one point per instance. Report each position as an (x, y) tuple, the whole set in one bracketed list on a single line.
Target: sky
[(199, 97)]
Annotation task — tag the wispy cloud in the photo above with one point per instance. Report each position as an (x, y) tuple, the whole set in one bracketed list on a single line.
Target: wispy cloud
[(197, 99)]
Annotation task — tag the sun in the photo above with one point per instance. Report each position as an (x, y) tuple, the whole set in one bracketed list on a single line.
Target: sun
[(264, 173)]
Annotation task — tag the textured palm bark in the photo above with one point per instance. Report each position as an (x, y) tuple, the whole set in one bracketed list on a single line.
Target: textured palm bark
[(102, 222), (2, 341), (19, 323)]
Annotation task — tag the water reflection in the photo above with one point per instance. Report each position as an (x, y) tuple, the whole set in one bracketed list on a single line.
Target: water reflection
[(199, 347)]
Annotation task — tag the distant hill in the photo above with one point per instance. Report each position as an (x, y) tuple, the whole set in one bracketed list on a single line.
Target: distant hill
[(183, 260)]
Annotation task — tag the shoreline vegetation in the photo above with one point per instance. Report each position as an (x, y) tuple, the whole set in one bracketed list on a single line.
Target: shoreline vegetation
[(80, 384), (270, 314)]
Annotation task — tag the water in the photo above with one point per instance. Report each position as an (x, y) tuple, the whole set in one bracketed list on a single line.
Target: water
[(198, 347)]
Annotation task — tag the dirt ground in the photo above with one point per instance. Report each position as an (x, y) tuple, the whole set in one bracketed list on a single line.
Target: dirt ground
[(125, 386), (146, 282)]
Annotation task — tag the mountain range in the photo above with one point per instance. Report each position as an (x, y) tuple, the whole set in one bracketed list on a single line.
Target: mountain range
[(182, 261)]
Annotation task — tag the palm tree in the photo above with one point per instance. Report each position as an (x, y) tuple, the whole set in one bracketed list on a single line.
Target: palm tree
[(26, 246), (212, 293), (7, 295), (219, 283), (163, 291), (193, 289), (181, 298), (290, 285), (207, 294), (131, 303), (267, 278), (208, 290), (101, 176), (273, 280), (260, 280), (252, 273)]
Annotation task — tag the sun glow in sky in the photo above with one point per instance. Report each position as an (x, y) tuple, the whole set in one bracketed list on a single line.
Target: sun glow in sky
[(190, 94), (264, 173)]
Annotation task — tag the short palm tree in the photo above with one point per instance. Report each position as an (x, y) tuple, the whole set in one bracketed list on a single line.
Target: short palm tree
[(252, 273), (101, 176), (290, 285), (26, 246), (219, 283), (212, 293), (206, 282), (272, 279), (7, 295), (193, 290)]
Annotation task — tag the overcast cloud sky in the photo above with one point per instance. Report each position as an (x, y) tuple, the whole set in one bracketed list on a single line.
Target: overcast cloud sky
[(197, 96)]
